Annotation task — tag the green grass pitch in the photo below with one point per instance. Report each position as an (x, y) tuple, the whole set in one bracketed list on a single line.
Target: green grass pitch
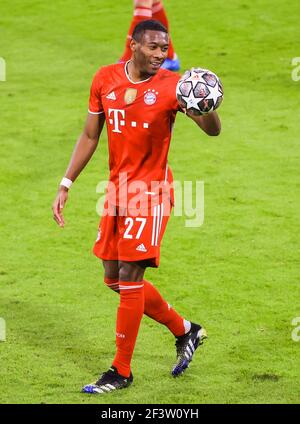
[(238, 274)]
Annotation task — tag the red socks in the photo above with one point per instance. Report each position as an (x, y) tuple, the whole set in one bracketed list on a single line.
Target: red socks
[(142, 13), (159, 13), (159, 310), (136, 299), (156, 307), (129, 316), (112, 283)]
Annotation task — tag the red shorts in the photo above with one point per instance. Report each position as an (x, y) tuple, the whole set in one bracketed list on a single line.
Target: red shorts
[(132, 237)]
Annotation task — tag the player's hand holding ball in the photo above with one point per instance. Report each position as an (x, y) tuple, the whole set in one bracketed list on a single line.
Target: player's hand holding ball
[(199, 91)]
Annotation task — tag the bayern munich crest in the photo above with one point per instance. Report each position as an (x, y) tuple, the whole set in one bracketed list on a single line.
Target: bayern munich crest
[(150, 96)]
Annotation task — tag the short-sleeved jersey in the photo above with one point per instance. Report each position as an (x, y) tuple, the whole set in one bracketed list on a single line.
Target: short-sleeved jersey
[(139, 119)]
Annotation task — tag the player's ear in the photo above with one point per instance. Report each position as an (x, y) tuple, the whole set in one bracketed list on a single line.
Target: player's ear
[(133, 45)]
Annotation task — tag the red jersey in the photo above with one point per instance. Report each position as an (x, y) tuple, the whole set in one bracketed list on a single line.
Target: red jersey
[(139, 119)]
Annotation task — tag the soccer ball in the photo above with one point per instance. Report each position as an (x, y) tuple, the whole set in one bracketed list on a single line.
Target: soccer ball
[(199, 91)]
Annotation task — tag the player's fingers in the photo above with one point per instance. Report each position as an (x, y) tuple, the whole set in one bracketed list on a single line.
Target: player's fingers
[(59, 220), (56, 219), (62, 221), (57, 214), (61, 206), (62, 200)]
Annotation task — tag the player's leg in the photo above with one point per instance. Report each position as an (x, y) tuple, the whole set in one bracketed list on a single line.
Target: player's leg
[(158, 12), (130, 312), (129, 277), (129, 315), (142, 11), (142, 236), (188, 335), (131, 285), (155, 307), (106, 248), (111, 275)]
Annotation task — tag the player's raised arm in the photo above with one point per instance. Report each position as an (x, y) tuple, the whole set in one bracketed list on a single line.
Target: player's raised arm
[(83, 151)]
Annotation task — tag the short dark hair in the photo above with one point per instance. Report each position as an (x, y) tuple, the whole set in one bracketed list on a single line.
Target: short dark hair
[(148, 25)]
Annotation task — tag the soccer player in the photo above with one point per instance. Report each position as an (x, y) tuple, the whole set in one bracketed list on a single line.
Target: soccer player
[(147, 9), (137, 100)]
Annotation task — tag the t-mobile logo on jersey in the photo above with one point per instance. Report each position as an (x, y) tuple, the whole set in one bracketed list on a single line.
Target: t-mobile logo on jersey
[(116, 117)]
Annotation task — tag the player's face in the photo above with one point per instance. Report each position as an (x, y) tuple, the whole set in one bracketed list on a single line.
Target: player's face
[(150, 53)]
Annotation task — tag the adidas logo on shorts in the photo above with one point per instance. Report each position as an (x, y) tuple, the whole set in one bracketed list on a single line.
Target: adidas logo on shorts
[(141, 248)]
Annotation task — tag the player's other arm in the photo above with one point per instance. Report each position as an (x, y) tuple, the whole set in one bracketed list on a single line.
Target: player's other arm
[(83, 151), (209, 123), (86, 145)]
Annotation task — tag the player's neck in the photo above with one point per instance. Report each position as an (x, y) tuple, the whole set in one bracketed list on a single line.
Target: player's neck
[(134, 72)]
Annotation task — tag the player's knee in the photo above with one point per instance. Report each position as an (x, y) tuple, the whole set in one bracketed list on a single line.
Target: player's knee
[(125, 272), (143, 3), (112, 283), (130, 271)]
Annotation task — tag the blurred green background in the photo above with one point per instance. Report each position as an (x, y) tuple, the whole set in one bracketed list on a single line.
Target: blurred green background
[(238, 274)]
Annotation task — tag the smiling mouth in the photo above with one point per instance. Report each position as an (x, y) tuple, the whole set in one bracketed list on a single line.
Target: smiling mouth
[(156, 64)]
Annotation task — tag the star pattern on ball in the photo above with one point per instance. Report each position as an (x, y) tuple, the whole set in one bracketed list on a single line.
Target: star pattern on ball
[(215, 93), (212, 96), (191, 100)]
